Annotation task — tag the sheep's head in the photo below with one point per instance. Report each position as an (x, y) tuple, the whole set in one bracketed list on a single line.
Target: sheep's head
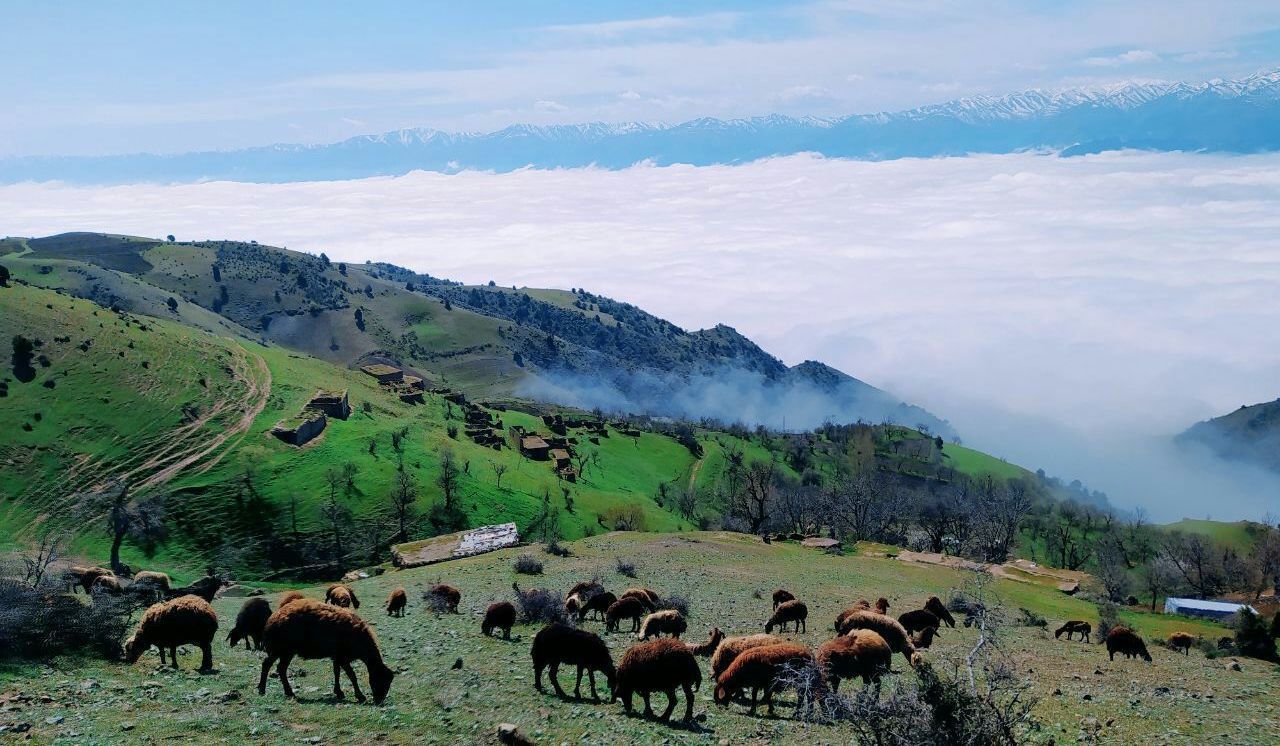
[(380, 682), (134, 647), (722, 695), (234, 637)]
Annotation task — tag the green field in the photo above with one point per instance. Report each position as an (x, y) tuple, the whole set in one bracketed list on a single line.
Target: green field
[(1175, 699)]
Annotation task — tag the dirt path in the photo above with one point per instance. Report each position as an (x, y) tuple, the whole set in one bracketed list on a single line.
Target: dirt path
[(693, 474)]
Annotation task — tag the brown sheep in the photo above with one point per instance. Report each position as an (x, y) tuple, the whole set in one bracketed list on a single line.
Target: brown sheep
[(1126, 642), (447, 595), (658, 666), (914, 621), (500, 615), (188, 620), (584, 589), (882, 607), (923, 639), (781, 596), (558, 644), (1182, 641), (597, 606), (342, 596), (250, 622), (151, 584), (861, 653), (939, 609), (313, 630), (83, 577), (1073, 627), (786, 613), (289, 597), (758, 669), (887, 627), (705, 649), (732, 647), (573, 603), (668, 621), (396, 602), (109, 584), (646, 597), (628, 607)]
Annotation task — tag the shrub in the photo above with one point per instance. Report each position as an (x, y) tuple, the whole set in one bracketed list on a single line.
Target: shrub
[(557, 550), (626, 568), (1253, 638), (540, 605), (677, 602), (526, 564), (435, 601), (40, 623), (624, 518), (1028, 618), (1108, 618)]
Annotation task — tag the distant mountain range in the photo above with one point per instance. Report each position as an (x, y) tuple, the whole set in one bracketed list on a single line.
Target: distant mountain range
[(1250, 434), (1240, 116)]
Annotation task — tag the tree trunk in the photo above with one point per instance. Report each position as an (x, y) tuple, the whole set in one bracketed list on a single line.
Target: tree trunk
[(116, 566)]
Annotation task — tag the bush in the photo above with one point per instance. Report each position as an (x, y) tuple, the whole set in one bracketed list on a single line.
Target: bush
[(1253, 638), (1028, 618), (624, 518), (677, 602), (626, 568), (526, 564), (437, 602), (39, 623), (540, 605), (1108, 619), (557, 550)]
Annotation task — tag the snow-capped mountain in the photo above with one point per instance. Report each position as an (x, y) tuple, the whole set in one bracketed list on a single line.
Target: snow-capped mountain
[(1241, 116)]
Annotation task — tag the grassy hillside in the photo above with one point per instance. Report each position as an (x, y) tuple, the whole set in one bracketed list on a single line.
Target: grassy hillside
[(1250, 434), (1083, 696)]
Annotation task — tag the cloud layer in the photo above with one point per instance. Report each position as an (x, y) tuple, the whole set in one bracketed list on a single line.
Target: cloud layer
[(1064, 313)]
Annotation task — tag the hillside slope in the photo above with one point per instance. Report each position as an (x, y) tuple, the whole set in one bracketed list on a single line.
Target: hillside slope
[(1250, 434)]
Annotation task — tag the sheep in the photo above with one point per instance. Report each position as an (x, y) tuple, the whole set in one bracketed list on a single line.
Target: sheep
[(396, 602), (573, 603), (84, 577), (732, 647), (289, 597), (250, 622), (939, 609), (705, 649), (447, 595), (914, 621), (584, 590), (758, 669), (658, 666), (188, 620), (311, 630), (862, 652), (629, 607), (923, 639), (887, 627), (1182, 641), (558, 643), (341, 596), (1075, 626), (500, 615), (108, 584), (882, 607), (669, 621), (781, 596), (1126, 642), (149, 583), (786, 613), (597, 605), (646, 597), (206, 588)]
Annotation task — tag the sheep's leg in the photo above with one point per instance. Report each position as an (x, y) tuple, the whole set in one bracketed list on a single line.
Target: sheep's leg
[(206, 657), (804, 627), (537, 678), (577, 689), (173, 656), (754, 692), (266, 670), (355, 683), (835, 683), (1112, 654), (688, 702), (591, 676), (671, 704), (648, 711), (161, 649), (768, 698), (555, 681), (282, 669), (506, 633), (337, 680)]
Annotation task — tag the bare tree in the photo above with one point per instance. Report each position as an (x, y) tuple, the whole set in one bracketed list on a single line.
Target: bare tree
[(500, 468), (143, 521), (753, 503), (449, 479), (339, 520), (37, 559), (1197, 561), (404, 493)]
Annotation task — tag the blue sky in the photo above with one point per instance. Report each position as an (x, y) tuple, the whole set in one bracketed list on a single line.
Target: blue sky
[(92, 77)]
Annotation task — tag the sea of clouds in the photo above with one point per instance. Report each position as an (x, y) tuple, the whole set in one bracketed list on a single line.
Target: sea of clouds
[(1070, 314)]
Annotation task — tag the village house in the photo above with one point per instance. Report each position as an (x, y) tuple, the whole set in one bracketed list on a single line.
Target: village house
[(534, 447), (384, 374), (332, 403)]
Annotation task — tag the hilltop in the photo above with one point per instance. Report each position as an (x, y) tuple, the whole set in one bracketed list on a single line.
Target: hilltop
[(1251, 434)]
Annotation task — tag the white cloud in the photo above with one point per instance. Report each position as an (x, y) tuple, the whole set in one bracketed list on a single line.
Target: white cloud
[(549, 106), (652, 25), (804, 93), (1209, 55), (629, 96), (1132, 57), (1065, 313)]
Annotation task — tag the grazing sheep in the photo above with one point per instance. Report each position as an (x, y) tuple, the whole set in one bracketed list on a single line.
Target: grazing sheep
[(341, 596), (84, 577), (1073, 627), (887, 627), (628, 607), (939, 609), (584, 589), (1182, 641), (882, 607), (206, 588), (289, 597), (250, 622), (658, 666), (758, 669), (781, 596), (500, 615), (646, 597), (108, 584), (396, 602), (188, 620), (923, 639), (667, 621), (732, 647), (914, 621), (704, 649), (1126, 642), (862, 652), (786, 613), (448, 595), (312, 630), (597, 606), (573, 603), (153, 584), (558, 643)]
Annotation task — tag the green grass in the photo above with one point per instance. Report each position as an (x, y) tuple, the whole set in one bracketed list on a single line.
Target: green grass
[(975, 463), (1239, 535), (720, 574)]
